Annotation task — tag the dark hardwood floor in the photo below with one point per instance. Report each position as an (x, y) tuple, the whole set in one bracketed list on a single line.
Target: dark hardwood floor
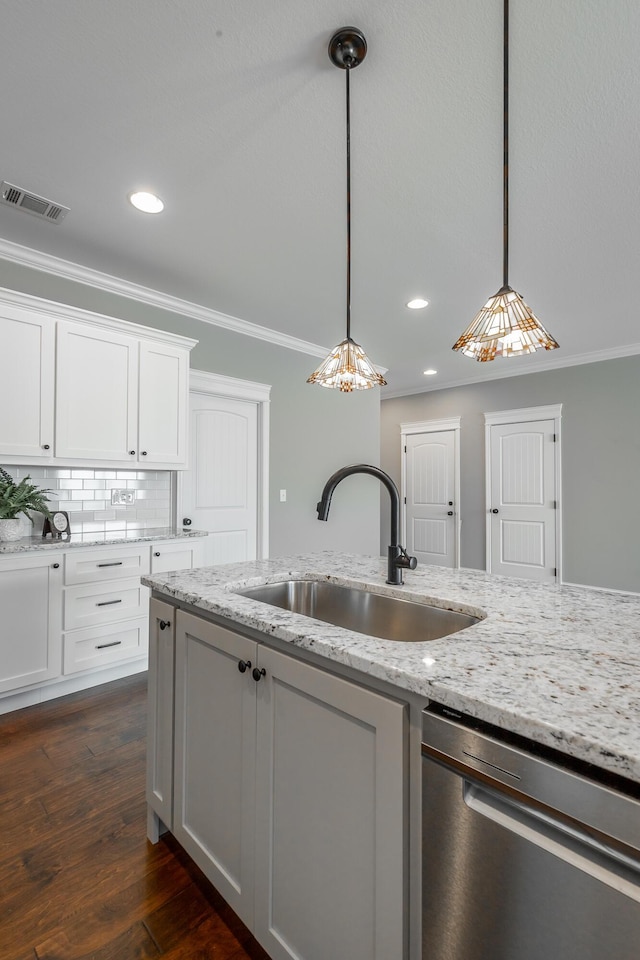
[(78, 878)]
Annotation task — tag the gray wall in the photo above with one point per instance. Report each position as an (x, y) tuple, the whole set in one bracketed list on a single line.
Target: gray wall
[(313, 431), (600, 461)]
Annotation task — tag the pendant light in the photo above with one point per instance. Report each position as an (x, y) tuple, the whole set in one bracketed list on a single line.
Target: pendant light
[(347, 366), (506, 326)]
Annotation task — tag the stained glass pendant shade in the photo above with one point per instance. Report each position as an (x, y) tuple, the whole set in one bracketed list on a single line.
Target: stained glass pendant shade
[(505, 326), (347, 367)]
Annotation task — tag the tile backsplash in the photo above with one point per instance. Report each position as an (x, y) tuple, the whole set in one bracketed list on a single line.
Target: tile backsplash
[(86, 495)]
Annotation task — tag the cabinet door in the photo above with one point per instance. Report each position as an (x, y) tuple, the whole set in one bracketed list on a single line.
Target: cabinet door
[(330, 841), (31, 631), (181, 554), (163, 399), (160, 713), (96, 394), (214, 784), (28, 348)]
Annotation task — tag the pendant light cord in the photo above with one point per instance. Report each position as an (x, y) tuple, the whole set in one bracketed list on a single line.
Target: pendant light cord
[(505, 149), (347, 72)]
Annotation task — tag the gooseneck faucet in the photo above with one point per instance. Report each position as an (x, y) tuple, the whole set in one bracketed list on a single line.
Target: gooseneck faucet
[(397, 557)]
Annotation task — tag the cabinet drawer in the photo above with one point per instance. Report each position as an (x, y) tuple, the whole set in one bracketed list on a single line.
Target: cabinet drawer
[(115, 563), (88, 605), (100, 646), (172, 557)]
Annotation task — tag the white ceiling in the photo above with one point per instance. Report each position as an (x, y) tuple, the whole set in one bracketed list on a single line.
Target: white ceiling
[(233, 113)]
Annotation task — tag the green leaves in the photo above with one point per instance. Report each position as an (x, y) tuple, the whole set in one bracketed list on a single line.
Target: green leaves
[(16, 498)]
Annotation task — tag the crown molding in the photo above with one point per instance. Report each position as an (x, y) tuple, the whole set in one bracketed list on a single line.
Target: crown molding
[(613, 353), (67, 270), (202, 381)]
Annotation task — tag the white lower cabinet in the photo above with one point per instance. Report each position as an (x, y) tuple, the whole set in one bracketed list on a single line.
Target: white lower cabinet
[(31, 628), (289, 791)]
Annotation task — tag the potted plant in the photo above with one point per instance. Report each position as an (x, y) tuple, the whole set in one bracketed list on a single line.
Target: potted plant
[(16, 498)]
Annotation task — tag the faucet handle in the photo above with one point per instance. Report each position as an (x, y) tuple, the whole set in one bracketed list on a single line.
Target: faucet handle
[(404, 560)]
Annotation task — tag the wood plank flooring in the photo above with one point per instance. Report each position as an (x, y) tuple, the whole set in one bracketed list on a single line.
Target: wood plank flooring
[(78, 878)]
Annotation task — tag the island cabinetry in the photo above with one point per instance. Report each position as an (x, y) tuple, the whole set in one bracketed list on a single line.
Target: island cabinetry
[(31, 628), (162, 633), (289, 793)]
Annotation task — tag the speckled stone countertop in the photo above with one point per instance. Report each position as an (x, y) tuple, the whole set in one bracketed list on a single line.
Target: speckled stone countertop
[(32, 544), (558, 664)]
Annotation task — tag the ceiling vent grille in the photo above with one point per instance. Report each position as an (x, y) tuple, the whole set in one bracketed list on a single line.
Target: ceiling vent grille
[(21, 199)]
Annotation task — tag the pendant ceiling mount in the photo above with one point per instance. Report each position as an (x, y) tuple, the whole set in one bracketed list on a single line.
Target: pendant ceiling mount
[(347, 366), (347, 48)]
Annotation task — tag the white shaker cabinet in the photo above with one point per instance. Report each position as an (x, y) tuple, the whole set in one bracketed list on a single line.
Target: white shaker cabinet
[(31, 624), (289, 793), (26, 384), (96, 394), (87, 390), (163, 399), (119, 398)]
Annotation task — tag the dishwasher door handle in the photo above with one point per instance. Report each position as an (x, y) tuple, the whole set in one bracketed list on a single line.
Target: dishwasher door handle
[(571, 841)]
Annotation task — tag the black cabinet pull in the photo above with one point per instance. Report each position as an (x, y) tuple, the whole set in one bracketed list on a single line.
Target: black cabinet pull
[(157, 554), (55, 565), (495, 510), (112, 563), (164, 624), (449, 513), (243, 665), (45, 446), (186, 522), (144, 453), (107, 603), (132, 453), (256, 674), (114, 643)]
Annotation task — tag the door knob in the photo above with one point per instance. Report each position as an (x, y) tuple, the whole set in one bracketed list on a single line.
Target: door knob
[(186, 521), (450, 503), (495, 510), (256, 674), (449, 513), (243, 665), (164, 624)]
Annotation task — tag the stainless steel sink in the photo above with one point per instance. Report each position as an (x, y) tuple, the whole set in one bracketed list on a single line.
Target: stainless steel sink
[(375, 614)]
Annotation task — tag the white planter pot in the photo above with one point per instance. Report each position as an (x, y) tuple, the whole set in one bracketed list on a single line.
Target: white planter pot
[(11, 529)]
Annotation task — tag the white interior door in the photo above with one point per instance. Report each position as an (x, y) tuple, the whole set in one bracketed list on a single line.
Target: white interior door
[(431, 519), (523, 499), (219, 491)]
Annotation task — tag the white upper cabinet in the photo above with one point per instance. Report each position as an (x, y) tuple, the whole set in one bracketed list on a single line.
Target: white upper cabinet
[(163, 404), (26, 384), (120, 391), (96, 394)]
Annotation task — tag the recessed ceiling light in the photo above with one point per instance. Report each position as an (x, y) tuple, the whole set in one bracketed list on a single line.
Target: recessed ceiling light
[(417, 303), (145, 201), (429, 372)]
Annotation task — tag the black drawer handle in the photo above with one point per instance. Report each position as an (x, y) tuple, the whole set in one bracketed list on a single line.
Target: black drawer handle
[(164, 624), (107, 603), (112, 563), (103, 646)]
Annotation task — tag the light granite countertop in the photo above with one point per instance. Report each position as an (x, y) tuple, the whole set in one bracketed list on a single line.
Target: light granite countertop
[(557, 664), (35, 544)]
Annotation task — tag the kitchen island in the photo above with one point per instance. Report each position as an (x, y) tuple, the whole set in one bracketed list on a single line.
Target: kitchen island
[(557, 664), (284, 752)]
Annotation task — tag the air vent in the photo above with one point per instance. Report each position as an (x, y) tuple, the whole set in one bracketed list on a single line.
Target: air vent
[(14, 196)]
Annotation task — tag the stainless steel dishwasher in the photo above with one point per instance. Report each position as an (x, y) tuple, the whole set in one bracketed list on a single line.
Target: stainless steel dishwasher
[(523, 859)]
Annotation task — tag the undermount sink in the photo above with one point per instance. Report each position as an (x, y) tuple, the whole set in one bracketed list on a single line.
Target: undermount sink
[(374, 614)]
